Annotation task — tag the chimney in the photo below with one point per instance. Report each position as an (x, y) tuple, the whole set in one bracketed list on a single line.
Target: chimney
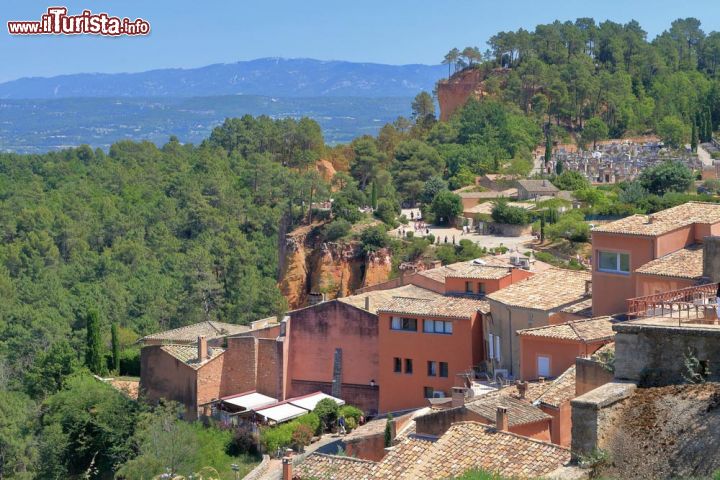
[(287, 473), (458, 396), (522, 389), (541, 379), (202, 348), (501, 420), (367, 303), (711, 258)]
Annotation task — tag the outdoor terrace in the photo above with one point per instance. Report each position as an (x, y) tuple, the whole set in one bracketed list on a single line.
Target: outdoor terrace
[(688, 307)]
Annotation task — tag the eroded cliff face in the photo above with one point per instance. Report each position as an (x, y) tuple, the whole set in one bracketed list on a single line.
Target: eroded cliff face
[(333, 269), (454, 92)]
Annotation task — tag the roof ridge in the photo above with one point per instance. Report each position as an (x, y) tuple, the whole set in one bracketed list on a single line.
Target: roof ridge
[(505, 432), (342, 457)]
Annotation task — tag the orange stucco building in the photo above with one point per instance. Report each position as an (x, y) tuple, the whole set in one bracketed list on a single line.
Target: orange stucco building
[(647, 254), (547, 352)]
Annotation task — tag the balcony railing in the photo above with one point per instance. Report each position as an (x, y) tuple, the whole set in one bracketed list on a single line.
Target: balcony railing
[(688, 305)]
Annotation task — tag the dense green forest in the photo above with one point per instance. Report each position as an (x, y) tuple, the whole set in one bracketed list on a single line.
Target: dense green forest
[(142, 238)]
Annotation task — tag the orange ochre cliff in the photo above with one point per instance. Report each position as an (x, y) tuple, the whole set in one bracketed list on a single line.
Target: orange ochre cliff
[(313, 266), (455, 91)]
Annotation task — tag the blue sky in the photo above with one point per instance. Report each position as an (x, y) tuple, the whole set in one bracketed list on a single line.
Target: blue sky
[(196, 33)]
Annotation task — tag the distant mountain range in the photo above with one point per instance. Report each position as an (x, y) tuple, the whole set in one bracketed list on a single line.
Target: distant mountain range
[(266, 76)]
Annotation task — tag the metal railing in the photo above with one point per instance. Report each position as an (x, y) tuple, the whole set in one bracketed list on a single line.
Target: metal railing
[(691, 304)]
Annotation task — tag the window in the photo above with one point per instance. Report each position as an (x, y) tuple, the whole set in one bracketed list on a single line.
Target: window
[(428, 392), (613, 262), (397, 365), (469, 287), (406, 324), (408, 365), (543, 366), (432, 369), (437, 326), (443, 369), (481, 288)]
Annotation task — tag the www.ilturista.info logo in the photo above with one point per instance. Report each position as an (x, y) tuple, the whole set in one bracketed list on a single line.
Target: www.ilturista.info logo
[(57, 22)]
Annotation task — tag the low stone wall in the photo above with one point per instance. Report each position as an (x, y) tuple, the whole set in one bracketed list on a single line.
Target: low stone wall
[(589, 375), (655, 355), (258, 472), (591, 412), (508, 230)]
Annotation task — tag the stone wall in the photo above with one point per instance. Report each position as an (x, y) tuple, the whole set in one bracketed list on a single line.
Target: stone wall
[(592, 415), (269, 367), (364, 397), (163, 376), (655, 355), (437, 423), (590, 374)]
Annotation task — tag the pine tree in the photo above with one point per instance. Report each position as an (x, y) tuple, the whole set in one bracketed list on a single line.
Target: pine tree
[(694, 138), (115, 341), (373, 196), (93, 349)]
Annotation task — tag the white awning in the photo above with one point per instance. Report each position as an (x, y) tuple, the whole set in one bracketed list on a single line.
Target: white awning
[(281, 413), (308, 402), (251, 401)]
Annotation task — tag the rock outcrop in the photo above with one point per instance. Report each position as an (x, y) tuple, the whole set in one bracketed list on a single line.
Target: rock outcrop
[(455, 91), (313, 266)]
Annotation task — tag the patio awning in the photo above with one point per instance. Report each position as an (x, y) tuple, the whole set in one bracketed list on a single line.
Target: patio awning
[(308, 402), (251, 401), (281, 413)]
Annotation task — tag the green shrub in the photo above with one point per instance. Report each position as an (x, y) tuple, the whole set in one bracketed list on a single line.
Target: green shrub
[(374, 238), (312, 420), (348, 411), (387, 211), (570, 226), (130, 362), (301, 437), (350, 424), (327, 411), (504, 213), (409, 234), (279, 436), (336, 229)]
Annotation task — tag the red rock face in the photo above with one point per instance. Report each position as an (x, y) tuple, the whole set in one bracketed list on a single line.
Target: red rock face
[(333, 269), (455, 92)]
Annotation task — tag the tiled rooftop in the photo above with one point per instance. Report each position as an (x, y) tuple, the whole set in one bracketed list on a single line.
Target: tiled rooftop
[(465, 446), (533, 392), (188, 354), (333, 467), (684, 263), (664, 221), (520, 412), (510, 192), (190, 333), (548, 290), (439, 274), (583, 308), (444, 306), (487, 207), (561, 390), (538, 186), (486, 272), (380, 298), (585, 330)]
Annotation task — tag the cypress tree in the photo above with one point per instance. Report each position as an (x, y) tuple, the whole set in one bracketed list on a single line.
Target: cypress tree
[(115, 340), (559, 167), (709, 126), (548, 148), (694, 138), (388, 431), (93, 349)]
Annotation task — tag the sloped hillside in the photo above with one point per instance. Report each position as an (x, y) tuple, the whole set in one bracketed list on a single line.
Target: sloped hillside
[(667, 432)]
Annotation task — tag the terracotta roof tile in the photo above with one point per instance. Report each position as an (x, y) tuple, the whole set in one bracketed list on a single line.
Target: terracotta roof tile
[(684, 263), (489, 272), (510, 192), (548, 290), (543, 186), (188, 354), (664, 221), (333, 467), (445, 306), (584, 330), (465, 446), (520, 412), (190, 333), (533, 392), (561, 390), (486, 208), (380, 298), (471, 445)]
